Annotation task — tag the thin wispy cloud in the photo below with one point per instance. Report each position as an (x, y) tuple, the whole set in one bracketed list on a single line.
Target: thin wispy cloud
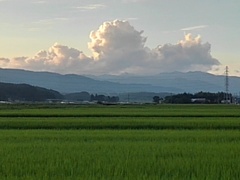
[(39, 2), (91, 7), (194, 28)]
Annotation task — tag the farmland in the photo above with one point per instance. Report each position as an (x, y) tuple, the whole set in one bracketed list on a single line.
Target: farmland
[(119, 142)]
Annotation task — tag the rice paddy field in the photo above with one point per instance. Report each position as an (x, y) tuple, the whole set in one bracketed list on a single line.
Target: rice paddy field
[(119, 142)]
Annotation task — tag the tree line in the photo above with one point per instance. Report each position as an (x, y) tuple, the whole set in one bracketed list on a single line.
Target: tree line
[(200, 97), (103, 98), (85, 96)]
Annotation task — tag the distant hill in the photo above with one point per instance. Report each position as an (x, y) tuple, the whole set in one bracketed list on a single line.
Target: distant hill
[(191, 82), (80, 96), (175, 82), (71, 83), (25, 92)]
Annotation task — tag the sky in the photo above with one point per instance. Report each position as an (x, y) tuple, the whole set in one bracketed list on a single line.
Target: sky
[(120, 36)]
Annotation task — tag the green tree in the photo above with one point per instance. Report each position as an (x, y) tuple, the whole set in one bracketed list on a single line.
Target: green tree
[(156, 99)]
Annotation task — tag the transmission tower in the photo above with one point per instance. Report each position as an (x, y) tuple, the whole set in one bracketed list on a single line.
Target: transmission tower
[(227, 98)]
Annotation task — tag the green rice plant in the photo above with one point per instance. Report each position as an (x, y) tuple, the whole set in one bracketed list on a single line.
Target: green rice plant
[(125, 111), (119, 123), (119, 142), (126, 154)]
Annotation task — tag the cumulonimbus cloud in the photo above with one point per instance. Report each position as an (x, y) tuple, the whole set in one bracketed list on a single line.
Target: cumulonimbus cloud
[(115, 39), (188, 54), (117, 47)]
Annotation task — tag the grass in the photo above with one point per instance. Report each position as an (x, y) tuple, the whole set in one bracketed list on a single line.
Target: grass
[(119, 142)]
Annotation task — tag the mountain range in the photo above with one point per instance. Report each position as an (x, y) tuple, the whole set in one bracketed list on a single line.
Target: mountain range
[(191, 82), (175, 82)]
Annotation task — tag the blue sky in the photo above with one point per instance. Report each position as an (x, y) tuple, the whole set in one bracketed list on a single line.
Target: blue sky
[(28, 26)]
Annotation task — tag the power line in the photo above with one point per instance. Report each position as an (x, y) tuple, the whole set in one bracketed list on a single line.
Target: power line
[(227, 98)]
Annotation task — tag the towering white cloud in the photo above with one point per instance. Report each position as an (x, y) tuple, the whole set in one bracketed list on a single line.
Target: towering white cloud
[(115, 39), (188, 54), (117, 47)]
